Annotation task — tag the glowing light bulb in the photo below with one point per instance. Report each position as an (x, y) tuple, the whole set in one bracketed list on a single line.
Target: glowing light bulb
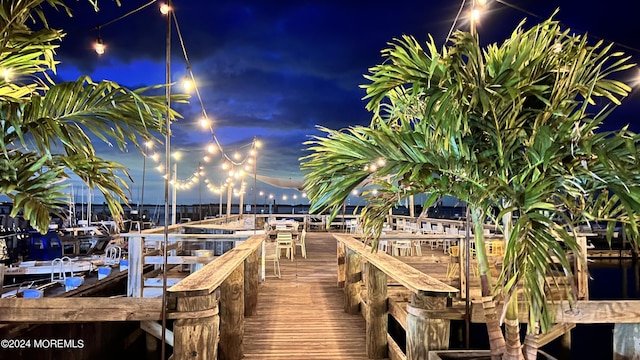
[(99, 46), (475, 14), (211, 148), (164, 9), (187, 83)]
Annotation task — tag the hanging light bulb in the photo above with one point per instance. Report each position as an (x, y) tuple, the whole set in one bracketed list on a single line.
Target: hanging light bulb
[(99, 46), (164, 9), (187, 83), (204, 122)]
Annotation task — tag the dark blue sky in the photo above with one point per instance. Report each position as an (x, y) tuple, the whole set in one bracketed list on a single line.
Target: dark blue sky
[(276, 70)]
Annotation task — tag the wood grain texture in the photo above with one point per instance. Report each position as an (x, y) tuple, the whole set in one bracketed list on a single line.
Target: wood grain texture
[(408, 276), (232, 315), (301, 316), (251, 272), (353, 276), (376, 317), (424, 334), (196, 338), (211, 276), (81, 309)]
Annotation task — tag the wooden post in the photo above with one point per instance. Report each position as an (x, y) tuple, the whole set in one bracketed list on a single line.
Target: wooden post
[(232, 315), (462, 261), (341, 264), (196, 337), (136, 264), (423, 333), (251, 284), (376, 317), (412, 210), (1, 275), (625, 343), (581, 269), (565, 345), (352, 282), (263, 259)]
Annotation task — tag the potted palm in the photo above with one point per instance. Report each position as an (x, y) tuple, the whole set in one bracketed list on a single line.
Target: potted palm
[(509, 129), (47, 128)]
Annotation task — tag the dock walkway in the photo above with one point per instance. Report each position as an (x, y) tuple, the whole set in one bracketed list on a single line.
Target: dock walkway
[(301, 316)]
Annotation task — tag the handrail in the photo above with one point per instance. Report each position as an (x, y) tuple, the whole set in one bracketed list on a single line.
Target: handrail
[(212, 275), (408, 276)]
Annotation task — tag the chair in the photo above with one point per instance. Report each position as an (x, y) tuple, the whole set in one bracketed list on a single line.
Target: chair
[(426, 228), (494, 248), (402, 248), (454, 261), (300, 241), (383, 245), (284, 239), (272, 253), (112, 255)]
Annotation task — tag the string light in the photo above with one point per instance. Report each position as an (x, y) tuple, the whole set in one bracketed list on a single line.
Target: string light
[(99, 46), (164, 9), (187, 81)]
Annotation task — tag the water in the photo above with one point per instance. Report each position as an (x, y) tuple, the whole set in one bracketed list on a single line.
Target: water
[(611, 280)]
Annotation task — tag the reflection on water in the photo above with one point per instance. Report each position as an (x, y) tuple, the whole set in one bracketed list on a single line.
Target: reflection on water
[(610, 280)]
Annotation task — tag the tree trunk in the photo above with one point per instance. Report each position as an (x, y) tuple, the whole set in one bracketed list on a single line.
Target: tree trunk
[(496, 338), (531, 344)]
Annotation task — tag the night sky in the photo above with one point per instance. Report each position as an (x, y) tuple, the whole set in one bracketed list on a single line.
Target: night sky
[(277, 69)]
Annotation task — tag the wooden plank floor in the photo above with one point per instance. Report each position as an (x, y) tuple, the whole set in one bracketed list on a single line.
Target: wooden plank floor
[(301, 315)]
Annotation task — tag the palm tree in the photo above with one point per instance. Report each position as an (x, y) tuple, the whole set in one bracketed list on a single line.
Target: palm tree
[(505, 127), (47, 129)]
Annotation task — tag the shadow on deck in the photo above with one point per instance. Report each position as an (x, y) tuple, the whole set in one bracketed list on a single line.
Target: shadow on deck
[(301, 315)]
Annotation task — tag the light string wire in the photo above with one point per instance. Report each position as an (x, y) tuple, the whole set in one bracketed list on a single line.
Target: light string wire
[(197, 174), (197, 91), (539, 17)]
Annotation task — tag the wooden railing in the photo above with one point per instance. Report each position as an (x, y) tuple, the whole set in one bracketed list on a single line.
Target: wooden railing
[(210, 305), (426, 328)]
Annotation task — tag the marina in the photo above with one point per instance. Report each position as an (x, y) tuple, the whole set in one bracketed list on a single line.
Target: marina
[(469, 197), (310, 295)]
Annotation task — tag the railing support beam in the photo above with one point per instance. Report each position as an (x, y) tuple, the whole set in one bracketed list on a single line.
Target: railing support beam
[(353, 276), (376, 316), (424, 333)]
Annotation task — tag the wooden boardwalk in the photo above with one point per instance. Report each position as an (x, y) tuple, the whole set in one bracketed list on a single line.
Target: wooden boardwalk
[(301, 316)]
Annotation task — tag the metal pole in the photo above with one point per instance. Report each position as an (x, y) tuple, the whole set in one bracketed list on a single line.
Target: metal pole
[(220, 203), (166, 181), (228, 201), (467, 305), (200, 189), (144, 170), (174, 203), (255, 186)]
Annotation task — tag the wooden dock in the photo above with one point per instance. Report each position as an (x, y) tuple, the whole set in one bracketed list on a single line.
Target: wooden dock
[(301, 315)]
